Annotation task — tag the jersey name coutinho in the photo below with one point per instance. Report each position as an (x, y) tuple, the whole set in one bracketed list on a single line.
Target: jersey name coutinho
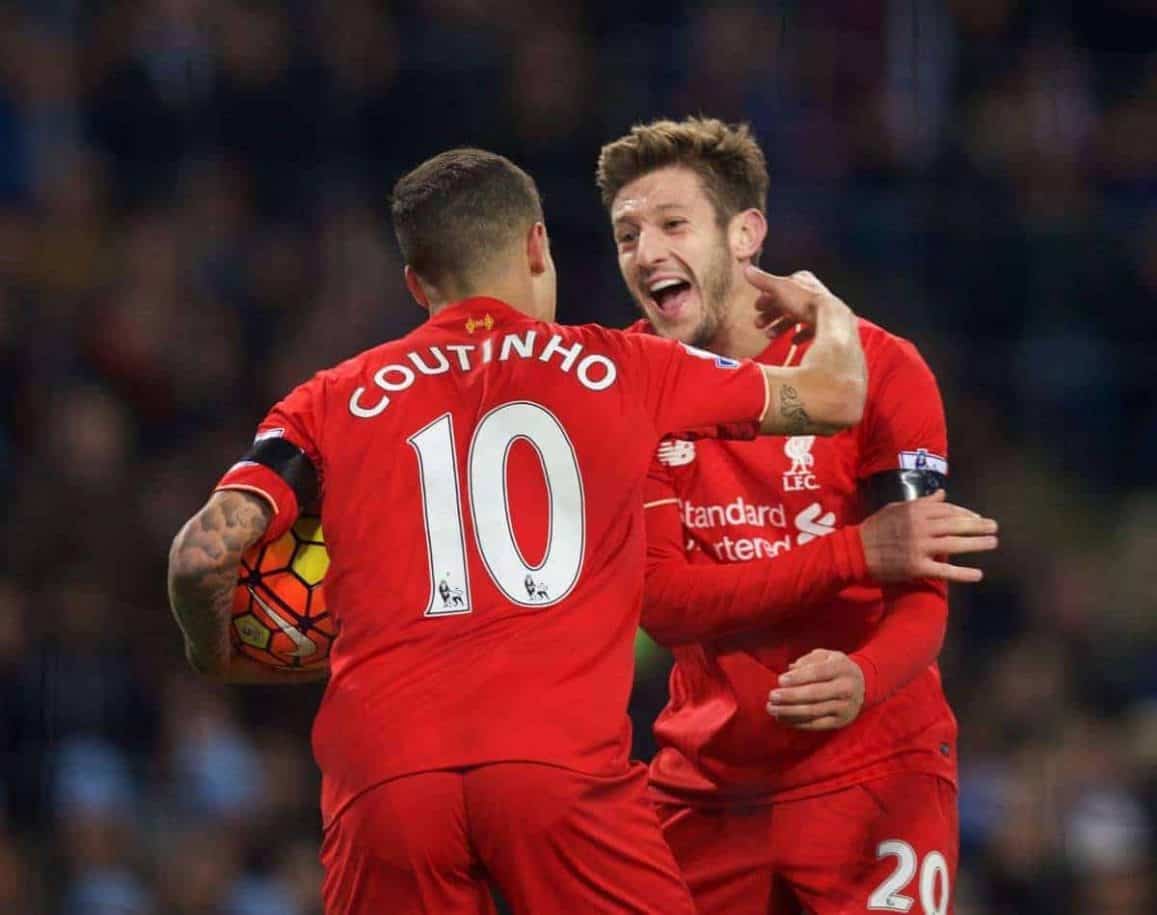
[(593, 371)]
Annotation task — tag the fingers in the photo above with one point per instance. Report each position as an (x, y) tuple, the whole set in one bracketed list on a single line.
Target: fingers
[(957, 574), (794, 714), (809, 280), (781, 295), (814, 671), (816, 654), (829, 690), (954, 546), (959, 525)]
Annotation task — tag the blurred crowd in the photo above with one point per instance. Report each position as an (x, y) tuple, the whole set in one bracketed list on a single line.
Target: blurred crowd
[(192, 219)]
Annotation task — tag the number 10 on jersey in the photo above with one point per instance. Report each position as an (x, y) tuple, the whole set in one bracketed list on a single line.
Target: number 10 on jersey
[(488, 501)]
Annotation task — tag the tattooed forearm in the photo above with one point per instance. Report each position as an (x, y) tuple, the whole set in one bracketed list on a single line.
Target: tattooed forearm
[(792, 410), (203, 566)]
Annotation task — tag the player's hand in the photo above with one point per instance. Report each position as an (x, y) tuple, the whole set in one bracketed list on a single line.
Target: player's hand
[(827, 390), (907, 540), (822, 691), (801, 298)]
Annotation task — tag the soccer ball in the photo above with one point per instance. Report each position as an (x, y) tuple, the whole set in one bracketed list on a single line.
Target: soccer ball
[(280, 617)]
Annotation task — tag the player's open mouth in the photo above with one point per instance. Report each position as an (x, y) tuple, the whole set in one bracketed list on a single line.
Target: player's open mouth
[(670, 296)]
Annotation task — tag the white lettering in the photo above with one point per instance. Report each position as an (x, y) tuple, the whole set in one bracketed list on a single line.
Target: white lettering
[(523, 346), (569, 354), (443, 364), (796, 482), (739, 511), (744, 549), (367, 412), (594, 371), (380, 377), (609, 372), (461, 349)]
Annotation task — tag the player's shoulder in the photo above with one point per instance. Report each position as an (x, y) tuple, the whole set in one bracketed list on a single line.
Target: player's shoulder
[(600, 336), (884, 349), (353, 369)]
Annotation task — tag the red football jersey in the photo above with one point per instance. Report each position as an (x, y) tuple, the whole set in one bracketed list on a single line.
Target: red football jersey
[(482, 491), (714, 502)]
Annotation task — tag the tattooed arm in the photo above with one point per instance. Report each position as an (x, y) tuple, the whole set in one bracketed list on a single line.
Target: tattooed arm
[(204, 563), (826, 391)]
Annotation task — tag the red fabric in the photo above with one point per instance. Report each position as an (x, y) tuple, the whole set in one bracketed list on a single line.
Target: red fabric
[(291, 419), (822, 854), (404, 847), (906, 641), (261, 481), (752, 510), (440, 667), (554, 841), (690, 603)]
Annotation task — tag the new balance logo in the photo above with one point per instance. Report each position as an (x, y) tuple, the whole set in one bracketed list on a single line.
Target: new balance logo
[(676, 452)]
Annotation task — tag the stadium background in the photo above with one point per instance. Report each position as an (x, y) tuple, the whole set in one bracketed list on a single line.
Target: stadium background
[(191, 220)]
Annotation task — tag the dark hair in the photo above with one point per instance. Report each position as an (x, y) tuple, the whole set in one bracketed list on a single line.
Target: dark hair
[(725, 156), (454, 210)]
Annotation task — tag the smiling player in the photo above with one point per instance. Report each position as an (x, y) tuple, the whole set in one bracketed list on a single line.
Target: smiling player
[(807, 756), (487, 552)]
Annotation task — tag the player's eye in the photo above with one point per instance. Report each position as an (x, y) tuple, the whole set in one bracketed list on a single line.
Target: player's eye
[(625, 238), (672, 224)]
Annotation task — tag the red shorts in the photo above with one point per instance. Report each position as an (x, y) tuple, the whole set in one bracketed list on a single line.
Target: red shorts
[(552, 840), (887, 845)]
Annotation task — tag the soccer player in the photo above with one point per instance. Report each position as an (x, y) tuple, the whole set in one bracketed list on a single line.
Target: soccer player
[(807, 755), (481, 488)]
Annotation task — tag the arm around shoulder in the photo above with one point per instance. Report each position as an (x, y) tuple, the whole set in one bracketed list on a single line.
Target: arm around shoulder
[(827, 391)]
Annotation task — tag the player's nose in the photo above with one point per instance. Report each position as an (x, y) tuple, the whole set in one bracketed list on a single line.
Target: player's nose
[(650, 250)]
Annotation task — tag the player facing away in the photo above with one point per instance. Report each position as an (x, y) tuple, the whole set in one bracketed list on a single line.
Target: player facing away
[(807, 755), (481, 488)]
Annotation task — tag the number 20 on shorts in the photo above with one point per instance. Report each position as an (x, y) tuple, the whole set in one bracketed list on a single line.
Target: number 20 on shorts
[(935, 892)]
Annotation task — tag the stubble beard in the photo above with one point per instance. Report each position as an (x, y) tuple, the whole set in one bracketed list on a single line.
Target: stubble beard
[(715, 291)]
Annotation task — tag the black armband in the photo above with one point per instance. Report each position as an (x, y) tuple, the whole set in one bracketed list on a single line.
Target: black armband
[(899, 486), (291, 464)]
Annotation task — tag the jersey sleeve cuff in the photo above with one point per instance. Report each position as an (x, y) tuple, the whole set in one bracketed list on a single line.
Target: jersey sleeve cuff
[(258, 479), (871, 678), (849, 553)]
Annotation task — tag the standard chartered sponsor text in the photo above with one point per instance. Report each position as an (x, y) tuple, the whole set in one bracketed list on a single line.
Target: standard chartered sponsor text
[(737, 511)]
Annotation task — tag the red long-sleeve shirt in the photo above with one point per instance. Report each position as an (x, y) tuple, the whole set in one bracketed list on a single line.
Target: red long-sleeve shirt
[(486, 538), (753, 561)]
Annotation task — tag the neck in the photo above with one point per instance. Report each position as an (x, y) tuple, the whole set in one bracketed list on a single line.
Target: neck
[(517, 295), (738, 337)]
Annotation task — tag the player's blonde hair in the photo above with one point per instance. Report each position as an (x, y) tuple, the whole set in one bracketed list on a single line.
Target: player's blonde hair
[(725, 156)]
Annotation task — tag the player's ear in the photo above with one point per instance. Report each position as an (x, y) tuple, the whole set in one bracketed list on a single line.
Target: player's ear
[(417, 290), (746, 233), (538, 249)]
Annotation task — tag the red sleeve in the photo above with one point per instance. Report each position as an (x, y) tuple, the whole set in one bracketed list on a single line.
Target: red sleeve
[(685, 603), (908, 639), (903, 422), (903, 428), (294, 419), (688, 388)]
